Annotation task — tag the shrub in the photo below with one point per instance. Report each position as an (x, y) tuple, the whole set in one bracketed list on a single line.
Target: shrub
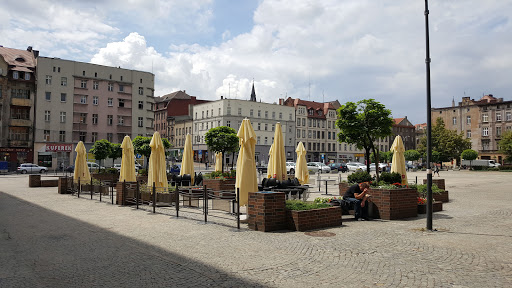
[(143, 172), (359, 176), (324, 200), (505, 167), (390, 178), (422, 189), (300, 205)]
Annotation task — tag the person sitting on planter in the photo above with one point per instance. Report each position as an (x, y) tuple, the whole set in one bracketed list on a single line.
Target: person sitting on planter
[(358, 195)]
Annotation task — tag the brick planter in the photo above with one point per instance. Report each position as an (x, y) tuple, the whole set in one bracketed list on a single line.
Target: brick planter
[(343, 186), (34, 181), (64, 182), (437, 206), (220, 185), (439, 182), (50, 183), (266, 211), (391, 204), (444, 195), (314, 219), (120, 193)]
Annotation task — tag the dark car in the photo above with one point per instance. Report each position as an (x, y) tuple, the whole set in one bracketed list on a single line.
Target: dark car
[(339, 166), (70, 169), (262, 169), (174, 169)]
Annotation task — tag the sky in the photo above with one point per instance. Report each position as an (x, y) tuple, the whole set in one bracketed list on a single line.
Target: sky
[(345, 50)]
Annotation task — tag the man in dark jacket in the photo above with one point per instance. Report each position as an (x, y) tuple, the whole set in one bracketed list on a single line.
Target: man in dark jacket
[(358, 195)]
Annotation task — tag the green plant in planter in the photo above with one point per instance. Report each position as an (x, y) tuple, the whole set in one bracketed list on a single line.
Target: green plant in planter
[(300, 205), (324, 200), (143, 172), (359, 176), (390, 178), (422, 189)]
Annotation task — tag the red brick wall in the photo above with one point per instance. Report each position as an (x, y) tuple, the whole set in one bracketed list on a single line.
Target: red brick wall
[(343, 186), (440, 183), (313, 219), (394, 203), (267, 211), (220, 185)]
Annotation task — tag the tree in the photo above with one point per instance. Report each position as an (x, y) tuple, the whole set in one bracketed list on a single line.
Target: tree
[(470, 155), (222, 139), (506, 145), (362, 123), (141, 146), (117, 152), (101, 149), (412, 155), (448, 143)]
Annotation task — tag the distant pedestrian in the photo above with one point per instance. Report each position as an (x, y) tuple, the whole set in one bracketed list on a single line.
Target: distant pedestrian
[(436, 170), (62, 166)]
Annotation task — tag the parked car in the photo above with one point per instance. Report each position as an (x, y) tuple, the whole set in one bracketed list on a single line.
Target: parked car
[(262, 169), (31, 168), (354, 166), (339, 167), (290, 167), (70, 169), (118, 167), (174, 169), (382, 167), (318, 167), (94, 166)]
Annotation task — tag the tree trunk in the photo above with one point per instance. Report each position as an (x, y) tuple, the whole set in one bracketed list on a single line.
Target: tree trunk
[(376, 153), (367, 150)]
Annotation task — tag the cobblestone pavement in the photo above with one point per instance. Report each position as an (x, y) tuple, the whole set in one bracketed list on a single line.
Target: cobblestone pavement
[(52, 240)]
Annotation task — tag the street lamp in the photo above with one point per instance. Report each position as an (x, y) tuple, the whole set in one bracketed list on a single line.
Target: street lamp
[(429, 124)]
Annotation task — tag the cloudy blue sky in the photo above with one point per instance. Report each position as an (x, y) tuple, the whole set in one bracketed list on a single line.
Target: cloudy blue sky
[(319, 50)]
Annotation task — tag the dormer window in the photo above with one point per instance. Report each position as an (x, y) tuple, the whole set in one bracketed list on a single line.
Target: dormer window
[(311, 112), (20, 59), (320, 112), (15, 75)]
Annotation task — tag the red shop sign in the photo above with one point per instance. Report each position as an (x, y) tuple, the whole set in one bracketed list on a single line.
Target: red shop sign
[(59, 147)]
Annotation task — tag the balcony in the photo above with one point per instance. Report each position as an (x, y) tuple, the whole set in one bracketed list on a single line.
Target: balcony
[(21, 122), (21, 102), (124, 128), (79, 127)]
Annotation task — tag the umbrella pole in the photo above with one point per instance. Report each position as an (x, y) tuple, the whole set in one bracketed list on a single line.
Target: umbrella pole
[(112, 190), (238, 208), (205, 204), (123, 192), (79, 187), (176, 199), (137, 195), (154, 197), (91, 188)]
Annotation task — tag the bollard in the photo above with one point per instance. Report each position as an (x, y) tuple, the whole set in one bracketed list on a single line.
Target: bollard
[(205, 204), (91, 188), (100, 191), (177, 199), (112, 191), (123, 193)]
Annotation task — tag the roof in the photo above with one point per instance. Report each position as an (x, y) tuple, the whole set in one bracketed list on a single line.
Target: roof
[(178, 95), (18, 58), (398, 120), (324, 107)]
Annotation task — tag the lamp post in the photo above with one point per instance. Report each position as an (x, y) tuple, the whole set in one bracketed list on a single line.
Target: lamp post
[(429, 124)]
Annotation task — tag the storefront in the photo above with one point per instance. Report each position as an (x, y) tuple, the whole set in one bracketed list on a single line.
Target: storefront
[(54, 156), (16, 156)]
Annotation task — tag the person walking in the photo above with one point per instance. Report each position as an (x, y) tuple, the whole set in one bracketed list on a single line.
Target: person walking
[(436, 170)]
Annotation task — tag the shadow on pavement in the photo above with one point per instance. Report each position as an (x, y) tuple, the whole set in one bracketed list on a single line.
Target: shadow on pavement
[(41, 248)]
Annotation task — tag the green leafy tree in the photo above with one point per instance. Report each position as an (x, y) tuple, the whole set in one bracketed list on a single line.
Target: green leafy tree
[(469, 154), (448, 143), (222, 139), (506, 145), (101, 149), (117, 152), (141, 146), (362, 123), (412, 155)]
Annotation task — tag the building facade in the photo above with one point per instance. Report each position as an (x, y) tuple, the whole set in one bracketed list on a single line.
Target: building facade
[(482, 121), (17, 94), (404, 128), (78, 101), (231, 112)]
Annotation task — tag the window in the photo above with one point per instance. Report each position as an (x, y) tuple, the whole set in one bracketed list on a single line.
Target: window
[(82, 136), (485, 118), (62, 136), (141, 91), (303, 121), (228, 112), (141, 105), (94, 100), (228, 123), (273, 115), (259, 126), (298, 133), (266, 114), (298, 122), (202, 114), (219, 112), (303, 133), (110, 102), (109, 120), (94, 137), (94, 119), (83, 117), (498, 131), (109, 137), (120, 120), (498, 116), (95, 74), (251, 112), (110, 87), (509, 116), (121, 102), (273, 127), (15, 75), (48, 80), (48, 96), (83, 84), (62, 117), (266, 126), (259, 113), (140, 122), (290, 116), (207, 113), (485, 131), (311, 112), (27, 76), (83, 73), (239, 111), (280, 115), (47, 116), (46, 136), (468, 119), (121, 88), (258, 140), (83, 99), (266, 140), (95, 85)]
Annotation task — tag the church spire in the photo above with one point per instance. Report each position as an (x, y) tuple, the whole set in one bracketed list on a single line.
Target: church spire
[(253, 93)]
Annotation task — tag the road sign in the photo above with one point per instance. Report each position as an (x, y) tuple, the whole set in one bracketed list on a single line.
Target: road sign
[(138, 156)]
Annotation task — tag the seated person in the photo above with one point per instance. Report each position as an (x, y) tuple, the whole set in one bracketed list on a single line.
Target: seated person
[(358, 195)]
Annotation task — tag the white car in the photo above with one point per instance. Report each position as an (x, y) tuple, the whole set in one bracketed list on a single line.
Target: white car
[(31, 168), (94, 166), (354, 166), (381, 166), (118, 167), (290, 168), (318, 167)]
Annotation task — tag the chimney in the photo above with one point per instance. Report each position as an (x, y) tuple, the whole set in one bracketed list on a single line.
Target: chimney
[(221, 97), (29, 48), (281, 101)]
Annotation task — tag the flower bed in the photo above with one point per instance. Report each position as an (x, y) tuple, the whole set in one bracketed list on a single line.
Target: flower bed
[(437, 206)]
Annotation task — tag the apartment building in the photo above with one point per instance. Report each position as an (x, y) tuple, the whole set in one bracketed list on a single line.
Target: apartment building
[(231, 112), (483, 121), (17, 94), (404, 128), (77, 101)]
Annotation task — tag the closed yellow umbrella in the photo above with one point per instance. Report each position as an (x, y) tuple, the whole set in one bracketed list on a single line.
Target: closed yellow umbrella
[(301, 166), (157, 173), (246, 178), (128, 161), (278, 163), (187, 162), (218, 161), (81, 169), (270, 172), (398, 165)]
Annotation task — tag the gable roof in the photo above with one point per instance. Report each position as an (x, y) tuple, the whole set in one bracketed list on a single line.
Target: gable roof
[(22, 59), (316, 106)]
